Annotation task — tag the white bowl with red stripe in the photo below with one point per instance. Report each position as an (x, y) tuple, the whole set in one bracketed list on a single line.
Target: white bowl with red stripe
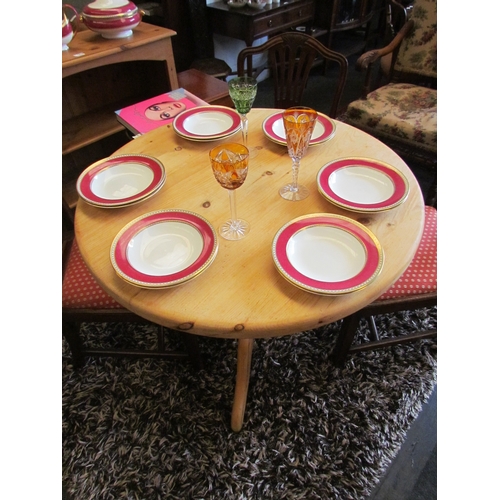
[(112, 18), (69, 25)]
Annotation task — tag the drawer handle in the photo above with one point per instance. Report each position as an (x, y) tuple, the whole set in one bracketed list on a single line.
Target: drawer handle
[(300, 13), (270, 23)]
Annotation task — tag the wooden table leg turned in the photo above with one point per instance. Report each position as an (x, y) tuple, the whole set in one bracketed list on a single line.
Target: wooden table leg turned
[(243, 366)]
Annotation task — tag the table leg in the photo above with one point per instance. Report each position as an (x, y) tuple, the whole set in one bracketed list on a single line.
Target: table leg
[(170, 65), (243, 366)]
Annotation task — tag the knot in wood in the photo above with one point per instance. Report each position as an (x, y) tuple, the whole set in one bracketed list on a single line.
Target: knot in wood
[(239, 327), (206, 204), (364, 220), (178, 148), (185, 326)]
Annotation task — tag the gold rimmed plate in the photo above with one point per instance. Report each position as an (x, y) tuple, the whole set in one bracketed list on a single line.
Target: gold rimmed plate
[(207, 123), (327, 254), (273, 128), (362, 184), (164, 248), (121, 180)]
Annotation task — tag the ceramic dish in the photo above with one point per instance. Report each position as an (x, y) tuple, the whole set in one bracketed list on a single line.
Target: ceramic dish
[(121, 180), (207, 123), (362, 184), (275, 131), (112, 18), (69, 28), (257, 4), (164, 248), (236, 4), (327, 254)]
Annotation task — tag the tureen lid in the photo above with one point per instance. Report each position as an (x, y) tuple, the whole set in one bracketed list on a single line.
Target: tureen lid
[(109, 7)]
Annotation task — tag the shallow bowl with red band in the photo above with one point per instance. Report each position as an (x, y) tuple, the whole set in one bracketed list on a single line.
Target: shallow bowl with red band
[(112, 18)]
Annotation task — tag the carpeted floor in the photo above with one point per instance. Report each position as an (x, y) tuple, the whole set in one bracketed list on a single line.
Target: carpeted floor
[(149, 429)]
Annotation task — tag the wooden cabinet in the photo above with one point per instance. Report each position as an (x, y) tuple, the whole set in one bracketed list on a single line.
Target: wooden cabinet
[(100, 76), (288, 17), (340, 15), (248, 24), (96, 80), (334, 16)]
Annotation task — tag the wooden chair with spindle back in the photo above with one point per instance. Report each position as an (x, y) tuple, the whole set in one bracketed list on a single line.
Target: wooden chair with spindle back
[(291, 56)]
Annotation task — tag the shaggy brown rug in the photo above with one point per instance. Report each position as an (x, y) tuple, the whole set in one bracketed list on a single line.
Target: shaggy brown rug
[(152, 429)]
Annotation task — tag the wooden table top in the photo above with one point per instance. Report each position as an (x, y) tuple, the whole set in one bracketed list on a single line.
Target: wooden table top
[(242, 295)]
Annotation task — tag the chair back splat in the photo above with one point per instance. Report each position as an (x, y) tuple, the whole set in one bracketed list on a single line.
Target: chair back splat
[(291, 56)]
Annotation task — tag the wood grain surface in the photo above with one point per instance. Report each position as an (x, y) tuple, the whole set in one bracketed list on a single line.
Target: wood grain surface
[(242, 295)]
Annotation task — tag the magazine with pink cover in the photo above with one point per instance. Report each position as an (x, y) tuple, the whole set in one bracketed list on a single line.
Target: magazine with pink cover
[(152, 113)]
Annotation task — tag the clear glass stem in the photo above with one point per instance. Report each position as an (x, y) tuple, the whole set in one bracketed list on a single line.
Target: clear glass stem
[(234, 228), (294, 191), (244, 128), (295, 174), (232, 204)]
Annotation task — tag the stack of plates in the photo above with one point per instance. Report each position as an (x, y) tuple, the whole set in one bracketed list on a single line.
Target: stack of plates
[(327, 254), (207, 123), (119, 181), (164, 248), (362, 184), (273, 128)]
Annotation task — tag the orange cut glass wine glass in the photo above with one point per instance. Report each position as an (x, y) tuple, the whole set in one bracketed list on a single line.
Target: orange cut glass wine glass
[(299, 123), (230, 168)]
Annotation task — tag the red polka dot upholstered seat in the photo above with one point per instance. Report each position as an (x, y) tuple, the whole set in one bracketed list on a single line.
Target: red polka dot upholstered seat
[(421, 275), (84, 301), (415, 289), (80, 290)]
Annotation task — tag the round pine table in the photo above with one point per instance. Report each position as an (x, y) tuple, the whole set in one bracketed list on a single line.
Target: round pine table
[(242, 295)]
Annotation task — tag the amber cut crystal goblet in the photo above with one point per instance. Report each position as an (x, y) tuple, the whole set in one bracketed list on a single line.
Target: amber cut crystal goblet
[(299, 123), (230, 168)]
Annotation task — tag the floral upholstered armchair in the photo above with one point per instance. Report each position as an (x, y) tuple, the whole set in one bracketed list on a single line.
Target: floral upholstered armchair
[(403, 112)]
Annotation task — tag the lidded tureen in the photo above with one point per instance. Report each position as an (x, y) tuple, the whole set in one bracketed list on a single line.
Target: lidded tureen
[(111, 18)]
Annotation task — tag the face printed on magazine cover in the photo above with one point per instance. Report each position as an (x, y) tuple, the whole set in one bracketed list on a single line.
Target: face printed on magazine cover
[(164, 110)]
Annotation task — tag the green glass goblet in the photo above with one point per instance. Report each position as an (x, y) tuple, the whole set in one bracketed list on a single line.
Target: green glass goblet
[(243, 90)]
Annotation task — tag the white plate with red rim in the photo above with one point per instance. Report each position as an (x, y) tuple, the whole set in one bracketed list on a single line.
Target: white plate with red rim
[(273, 128), (164, 248), (207, 123), (121, 180), (327, 254), (362, 184)]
